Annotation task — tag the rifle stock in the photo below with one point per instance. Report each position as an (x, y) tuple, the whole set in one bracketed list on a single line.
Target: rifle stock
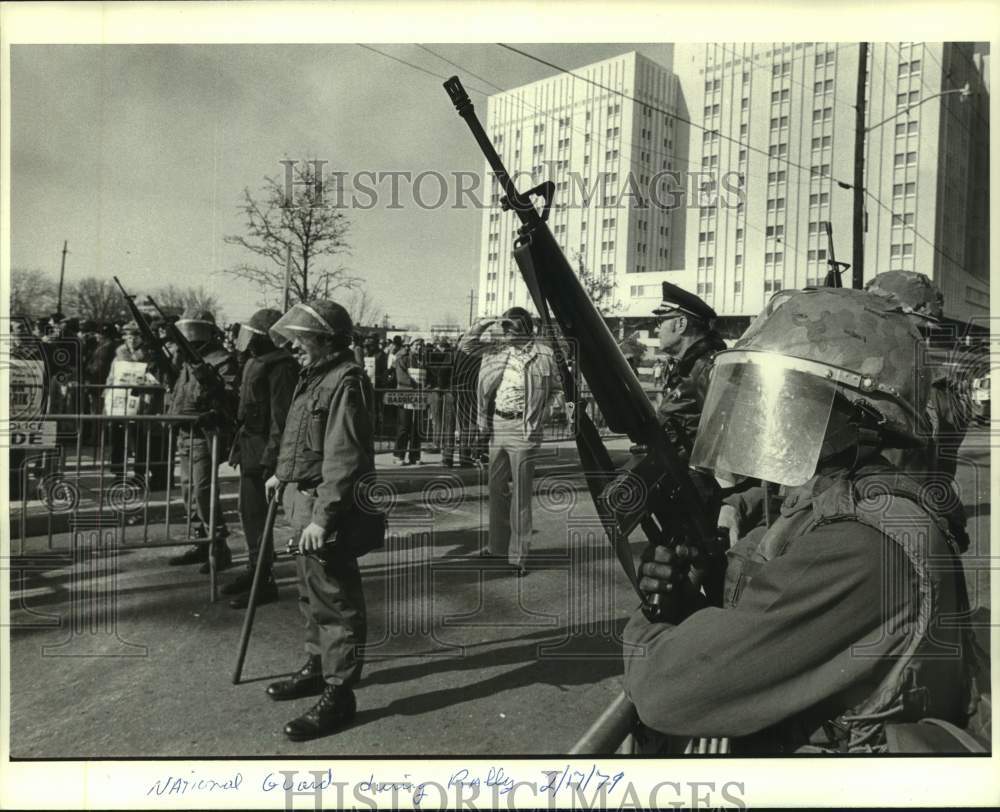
[(656, 491), (160, 357)]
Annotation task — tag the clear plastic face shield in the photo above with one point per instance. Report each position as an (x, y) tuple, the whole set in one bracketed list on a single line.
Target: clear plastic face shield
[(766, 415), (245, 336), (297, 321), (197, 331)]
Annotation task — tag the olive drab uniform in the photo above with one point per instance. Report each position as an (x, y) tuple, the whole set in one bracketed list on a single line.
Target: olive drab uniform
[(935, 658), (194, 450), (265, 396), (684, 388), (326, 451), (820, 650)]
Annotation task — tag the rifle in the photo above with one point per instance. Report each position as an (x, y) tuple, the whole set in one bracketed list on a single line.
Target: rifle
[(655, 492), (207, 375), (836, 268), (160, 358)]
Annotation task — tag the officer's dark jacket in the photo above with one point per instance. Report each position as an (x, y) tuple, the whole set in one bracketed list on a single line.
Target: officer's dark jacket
[(265, 395), (327, 444), (189, 397), (684, 392)]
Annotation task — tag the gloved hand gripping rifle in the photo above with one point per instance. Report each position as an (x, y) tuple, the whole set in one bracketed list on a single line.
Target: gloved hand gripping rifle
[(655, 492)]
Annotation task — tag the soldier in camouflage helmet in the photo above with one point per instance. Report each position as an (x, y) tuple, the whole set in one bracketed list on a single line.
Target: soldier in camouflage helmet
[(948, 406), (825, 382), (191, 397), (325, 457), (912, 291)]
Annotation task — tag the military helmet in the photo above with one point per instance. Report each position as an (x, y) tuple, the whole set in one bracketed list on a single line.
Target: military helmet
[(771, 397), (258, 325), (130, 328), (912, 291), (319, 317), (197, 325)]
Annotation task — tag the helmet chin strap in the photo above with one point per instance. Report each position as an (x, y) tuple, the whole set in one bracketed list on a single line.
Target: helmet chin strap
[(867, 422)]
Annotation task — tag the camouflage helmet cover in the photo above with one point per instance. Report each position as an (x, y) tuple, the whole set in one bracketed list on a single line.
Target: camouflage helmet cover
[(772, 397), (846, 328), (912, 291)]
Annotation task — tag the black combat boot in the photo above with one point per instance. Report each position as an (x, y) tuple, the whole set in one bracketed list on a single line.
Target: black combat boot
[(307, 681), (334, 710), (268, 593)]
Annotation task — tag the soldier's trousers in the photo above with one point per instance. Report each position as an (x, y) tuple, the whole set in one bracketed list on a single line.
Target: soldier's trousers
[(253, 515), (331, 598), (194, 457)]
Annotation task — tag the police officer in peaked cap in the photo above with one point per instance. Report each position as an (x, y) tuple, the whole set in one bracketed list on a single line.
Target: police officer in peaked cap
[(690, 342)]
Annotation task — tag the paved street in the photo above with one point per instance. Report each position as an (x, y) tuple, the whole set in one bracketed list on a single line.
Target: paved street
[(465, 657)]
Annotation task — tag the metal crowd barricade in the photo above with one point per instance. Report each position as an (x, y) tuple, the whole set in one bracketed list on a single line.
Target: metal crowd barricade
[(125, 497), (389, 401)]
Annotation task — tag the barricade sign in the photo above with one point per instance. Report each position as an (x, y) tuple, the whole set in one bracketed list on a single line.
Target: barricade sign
[(411, 398), (27, 388), (33, 434), (121, 401)]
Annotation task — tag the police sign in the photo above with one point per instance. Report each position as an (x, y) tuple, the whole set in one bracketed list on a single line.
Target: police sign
[(32, 434)]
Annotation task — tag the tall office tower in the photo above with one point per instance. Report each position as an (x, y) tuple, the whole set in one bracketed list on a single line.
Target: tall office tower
[(605, 137), (780, 118)]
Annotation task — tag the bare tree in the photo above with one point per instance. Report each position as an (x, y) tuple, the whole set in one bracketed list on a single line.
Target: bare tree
[(362, 306), (302, 219), (599, 286), (32, 292), (97, 299), (174, 299)]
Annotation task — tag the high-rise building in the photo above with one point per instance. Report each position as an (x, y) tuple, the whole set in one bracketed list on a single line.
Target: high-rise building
[(780, 118), (602, 136)]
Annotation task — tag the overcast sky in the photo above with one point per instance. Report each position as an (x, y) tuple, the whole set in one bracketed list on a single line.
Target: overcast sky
[(138, 154)]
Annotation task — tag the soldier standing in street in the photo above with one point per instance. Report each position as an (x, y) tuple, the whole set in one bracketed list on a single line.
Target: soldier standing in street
[(215, 411), (687, 338), (269, 378), (837, 622), (326, 453)]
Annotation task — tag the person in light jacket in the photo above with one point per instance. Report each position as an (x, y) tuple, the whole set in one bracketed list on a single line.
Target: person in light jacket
[(518, 383)]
